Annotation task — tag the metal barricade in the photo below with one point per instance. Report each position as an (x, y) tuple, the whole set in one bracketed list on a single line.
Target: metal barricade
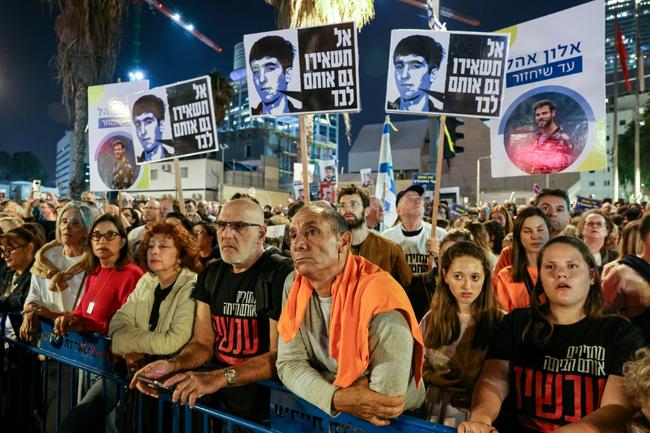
[(90, 354)]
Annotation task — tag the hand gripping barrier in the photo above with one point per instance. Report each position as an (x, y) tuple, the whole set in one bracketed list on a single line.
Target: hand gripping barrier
[(90, 352)]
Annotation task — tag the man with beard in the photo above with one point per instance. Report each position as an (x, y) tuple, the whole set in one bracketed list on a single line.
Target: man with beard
[(352, 203), (550, 136)]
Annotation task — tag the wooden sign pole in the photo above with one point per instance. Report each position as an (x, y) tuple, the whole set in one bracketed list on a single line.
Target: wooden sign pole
[(179, 186), (436, 194)]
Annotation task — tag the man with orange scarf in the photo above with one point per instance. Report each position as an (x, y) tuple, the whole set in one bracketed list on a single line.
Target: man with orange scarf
[(349, 338)]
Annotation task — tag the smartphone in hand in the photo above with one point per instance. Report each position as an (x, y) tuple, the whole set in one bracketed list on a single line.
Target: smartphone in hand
[(156, 384)]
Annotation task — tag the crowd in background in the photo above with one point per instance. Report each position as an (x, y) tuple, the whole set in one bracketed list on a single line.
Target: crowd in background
[(531, 318)]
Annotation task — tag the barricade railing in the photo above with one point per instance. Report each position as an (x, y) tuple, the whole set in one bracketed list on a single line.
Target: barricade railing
[(90, 354)]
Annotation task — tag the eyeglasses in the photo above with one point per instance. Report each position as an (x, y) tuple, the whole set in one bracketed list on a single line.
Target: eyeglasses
[(109, 236), (596, 224), (237, 226), (6, 250), (351, 204), (200, 233)]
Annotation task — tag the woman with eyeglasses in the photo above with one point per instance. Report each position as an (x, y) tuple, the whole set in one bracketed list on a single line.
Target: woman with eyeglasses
[(111, 279), (206, 237), (594, 228), (560, 362), (59, 268)]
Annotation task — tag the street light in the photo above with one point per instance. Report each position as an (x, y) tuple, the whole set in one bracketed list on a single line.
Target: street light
[(136, 75), (478, 179)]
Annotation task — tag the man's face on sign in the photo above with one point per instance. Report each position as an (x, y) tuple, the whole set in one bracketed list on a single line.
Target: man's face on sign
[(412, 75), (270, 78), (118, 151), (149, 130), (544, 116)]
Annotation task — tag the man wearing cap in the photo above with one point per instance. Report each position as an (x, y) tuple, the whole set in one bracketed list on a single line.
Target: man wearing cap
[(148, 119), (413, 234)]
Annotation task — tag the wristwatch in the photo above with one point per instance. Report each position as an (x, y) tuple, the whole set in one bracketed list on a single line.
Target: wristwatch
[(230, 375)]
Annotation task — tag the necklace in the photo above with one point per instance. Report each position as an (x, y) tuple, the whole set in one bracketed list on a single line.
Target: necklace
[(91, 304)]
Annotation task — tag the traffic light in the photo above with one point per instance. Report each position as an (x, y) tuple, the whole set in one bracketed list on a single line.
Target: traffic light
[(452, 136)]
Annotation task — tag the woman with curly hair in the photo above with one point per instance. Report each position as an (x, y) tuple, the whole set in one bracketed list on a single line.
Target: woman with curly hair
[(636, 382), (158, 316)]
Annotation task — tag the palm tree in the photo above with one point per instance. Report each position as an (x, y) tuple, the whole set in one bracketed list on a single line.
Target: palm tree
[(222, 94), (88, 33)]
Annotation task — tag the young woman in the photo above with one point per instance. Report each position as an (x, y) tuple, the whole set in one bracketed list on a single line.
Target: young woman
[(514, 284), (457, 330), (501, 215), (560, 362)]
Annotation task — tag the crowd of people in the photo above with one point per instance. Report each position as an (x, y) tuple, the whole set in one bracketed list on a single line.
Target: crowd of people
[(531, 318)]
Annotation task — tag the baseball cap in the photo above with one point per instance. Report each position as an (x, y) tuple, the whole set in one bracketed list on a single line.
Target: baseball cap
[(415, 187)]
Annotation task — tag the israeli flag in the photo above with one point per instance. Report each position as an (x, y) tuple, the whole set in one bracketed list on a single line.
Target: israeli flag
[(385, 186)]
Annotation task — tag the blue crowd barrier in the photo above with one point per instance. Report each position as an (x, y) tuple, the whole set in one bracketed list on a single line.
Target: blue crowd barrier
[(90, 353)]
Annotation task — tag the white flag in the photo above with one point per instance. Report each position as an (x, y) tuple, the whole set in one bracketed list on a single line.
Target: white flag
[(385, 187)]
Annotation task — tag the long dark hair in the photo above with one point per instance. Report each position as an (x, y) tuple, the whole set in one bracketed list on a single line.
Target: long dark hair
[(519, 259), (123, 259), (540, 326), (444, 325)]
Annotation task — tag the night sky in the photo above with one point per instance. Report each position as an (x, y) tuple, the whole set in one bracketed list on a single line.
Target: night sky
[(31, 117)]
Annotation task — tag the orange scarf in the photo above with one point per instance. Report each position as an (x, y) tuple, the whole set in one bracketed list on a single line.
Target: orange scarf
[(360, 292)]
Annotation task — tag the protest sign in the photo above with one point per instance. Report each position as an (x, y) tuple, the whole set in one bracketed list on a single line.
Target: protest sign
[(583, 204), (328, 192), (297, 172), (307, 70), (277, 231), (454, 73), (554, 103), (111, 147), (427, 180), (327, 170), (366, 179), (174, 121)]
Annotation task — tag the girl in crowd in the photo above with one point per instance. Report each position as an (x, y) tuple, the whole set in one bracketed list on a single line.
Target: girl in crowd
[(206, 237), (501, 215), (463, 317), (158, 317), (482, 239), (59, 268), (111, 278), (565, 342), (495, 233), (594, 228), (514, 284)]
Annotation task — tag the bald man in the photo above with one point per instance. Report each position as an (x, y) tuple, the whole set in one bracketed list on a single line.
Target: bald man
[(239, 299)]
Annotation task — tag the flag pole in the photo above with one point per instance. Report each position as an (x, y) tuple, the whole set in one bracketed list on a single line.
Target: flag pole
[(637, 107), (303, 159)]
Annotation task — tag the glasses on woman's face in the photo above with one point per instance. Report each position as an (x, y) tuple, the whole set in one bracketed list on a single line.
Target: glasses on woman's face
[(6, 250), (109, 236), (596, 224), (200, 233)]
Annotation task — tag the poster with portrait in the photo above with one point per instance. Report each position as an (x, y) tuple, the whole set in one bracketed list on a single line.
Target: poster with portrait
[(307, 70), (366, 177), (554, 104), (454, 73), (173, 121), (327, 170), (111, 143)]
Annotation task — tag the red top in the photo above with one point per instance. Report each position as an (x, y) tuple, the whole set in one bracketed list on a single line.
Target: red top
[(105, 292)]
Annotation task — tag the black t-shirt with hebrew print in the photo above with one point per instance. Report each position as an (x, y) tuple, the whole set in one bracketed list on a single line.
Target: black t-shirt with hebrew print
[(563, 380), (239, 319)]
